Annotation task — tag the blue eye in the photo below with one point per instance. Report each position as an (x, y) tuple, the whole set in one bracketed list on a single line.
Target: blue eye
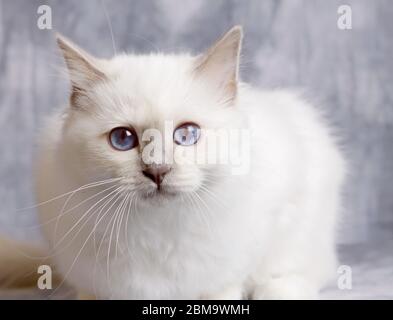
[(123, 139), (187, 134)]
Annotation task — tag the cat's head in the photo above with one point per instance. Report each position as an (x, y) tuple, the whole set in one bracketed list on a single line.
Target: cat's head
[(144, 118)]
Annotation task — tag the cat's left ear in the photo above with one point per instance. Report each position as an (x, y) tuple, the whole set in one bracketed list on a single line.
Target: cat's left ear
[(220, 64), (84, 69)]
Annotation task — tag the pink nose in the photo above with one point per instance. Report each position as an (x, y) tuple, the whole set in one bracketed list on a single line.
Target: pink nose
[(156, 173)]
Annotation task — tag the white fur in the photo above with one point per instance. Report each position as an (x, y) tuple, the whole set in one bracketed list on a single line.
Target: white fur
[(266, 234)]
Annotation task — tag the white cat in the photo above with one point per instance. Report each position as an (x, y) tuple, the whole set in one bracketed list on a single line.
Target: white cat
[(186, 230)]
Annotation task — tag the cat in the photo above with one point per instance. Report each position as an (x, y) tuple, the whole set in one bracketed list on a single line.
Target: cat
[(120, 227)]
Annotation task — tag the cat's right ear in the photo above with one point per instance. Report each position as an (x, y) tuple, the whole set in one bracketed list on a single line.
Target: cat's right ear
[(83, 69), (219, 65)]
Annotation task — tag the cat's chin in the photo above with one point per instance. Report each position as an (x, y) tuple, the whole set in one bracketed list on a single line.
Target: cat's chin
[(159, 197)]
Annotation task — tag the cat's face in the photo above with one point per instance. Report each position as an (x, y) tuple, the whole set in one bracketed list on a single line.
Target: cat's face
[(146, 119)]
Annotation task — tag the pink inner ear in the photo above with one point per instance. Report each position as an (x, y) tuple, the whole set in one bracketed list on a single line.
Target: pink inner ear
[(220, 63), (82, 68)]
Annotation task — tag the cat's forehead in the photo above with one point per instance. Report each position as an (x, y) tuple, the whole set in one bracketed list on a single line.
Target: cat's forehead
[(153, 71), (147, 89)]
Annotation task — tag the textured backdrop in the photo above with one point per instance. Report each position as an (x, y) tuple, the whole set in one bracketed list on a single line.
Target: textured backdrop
[(289, 43)]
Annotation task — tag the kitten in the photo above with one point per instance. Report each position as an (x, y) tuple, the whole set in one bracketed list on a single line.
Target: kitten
[(128, 228)]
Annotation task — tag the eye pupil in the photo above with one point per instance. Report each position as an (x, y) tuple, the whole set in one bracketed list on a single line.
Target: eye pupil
[(123, 139), (187, 134)]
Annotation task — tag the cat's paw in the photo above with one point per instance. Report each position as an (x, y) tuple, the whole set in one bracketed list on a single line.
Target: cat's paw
[(286, 288)]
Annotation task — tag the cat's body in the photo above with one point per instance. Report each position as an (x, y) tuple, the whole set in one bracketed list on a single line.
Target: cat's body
[(266, 233)]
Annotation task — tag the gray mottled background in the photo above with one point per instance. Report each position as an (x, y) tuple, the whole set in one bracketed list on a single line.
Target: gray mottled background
[(288, 43)]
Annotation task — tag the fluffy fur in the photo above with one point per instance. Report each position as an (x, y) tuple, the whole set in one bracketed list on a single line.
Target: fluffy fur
[(265, 234)]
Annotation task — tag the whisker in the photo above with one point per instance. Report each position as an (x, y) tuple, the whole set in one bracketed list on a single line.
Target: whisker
[(116, 215), (100, 208), (102, 199), (129, 212), (78, 254), (196, 208), (99, 215), (213, 196), (62, 213), (89, 185), (109, 26), (204, 214), (96, 223), (120, 221), (106, 230)]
